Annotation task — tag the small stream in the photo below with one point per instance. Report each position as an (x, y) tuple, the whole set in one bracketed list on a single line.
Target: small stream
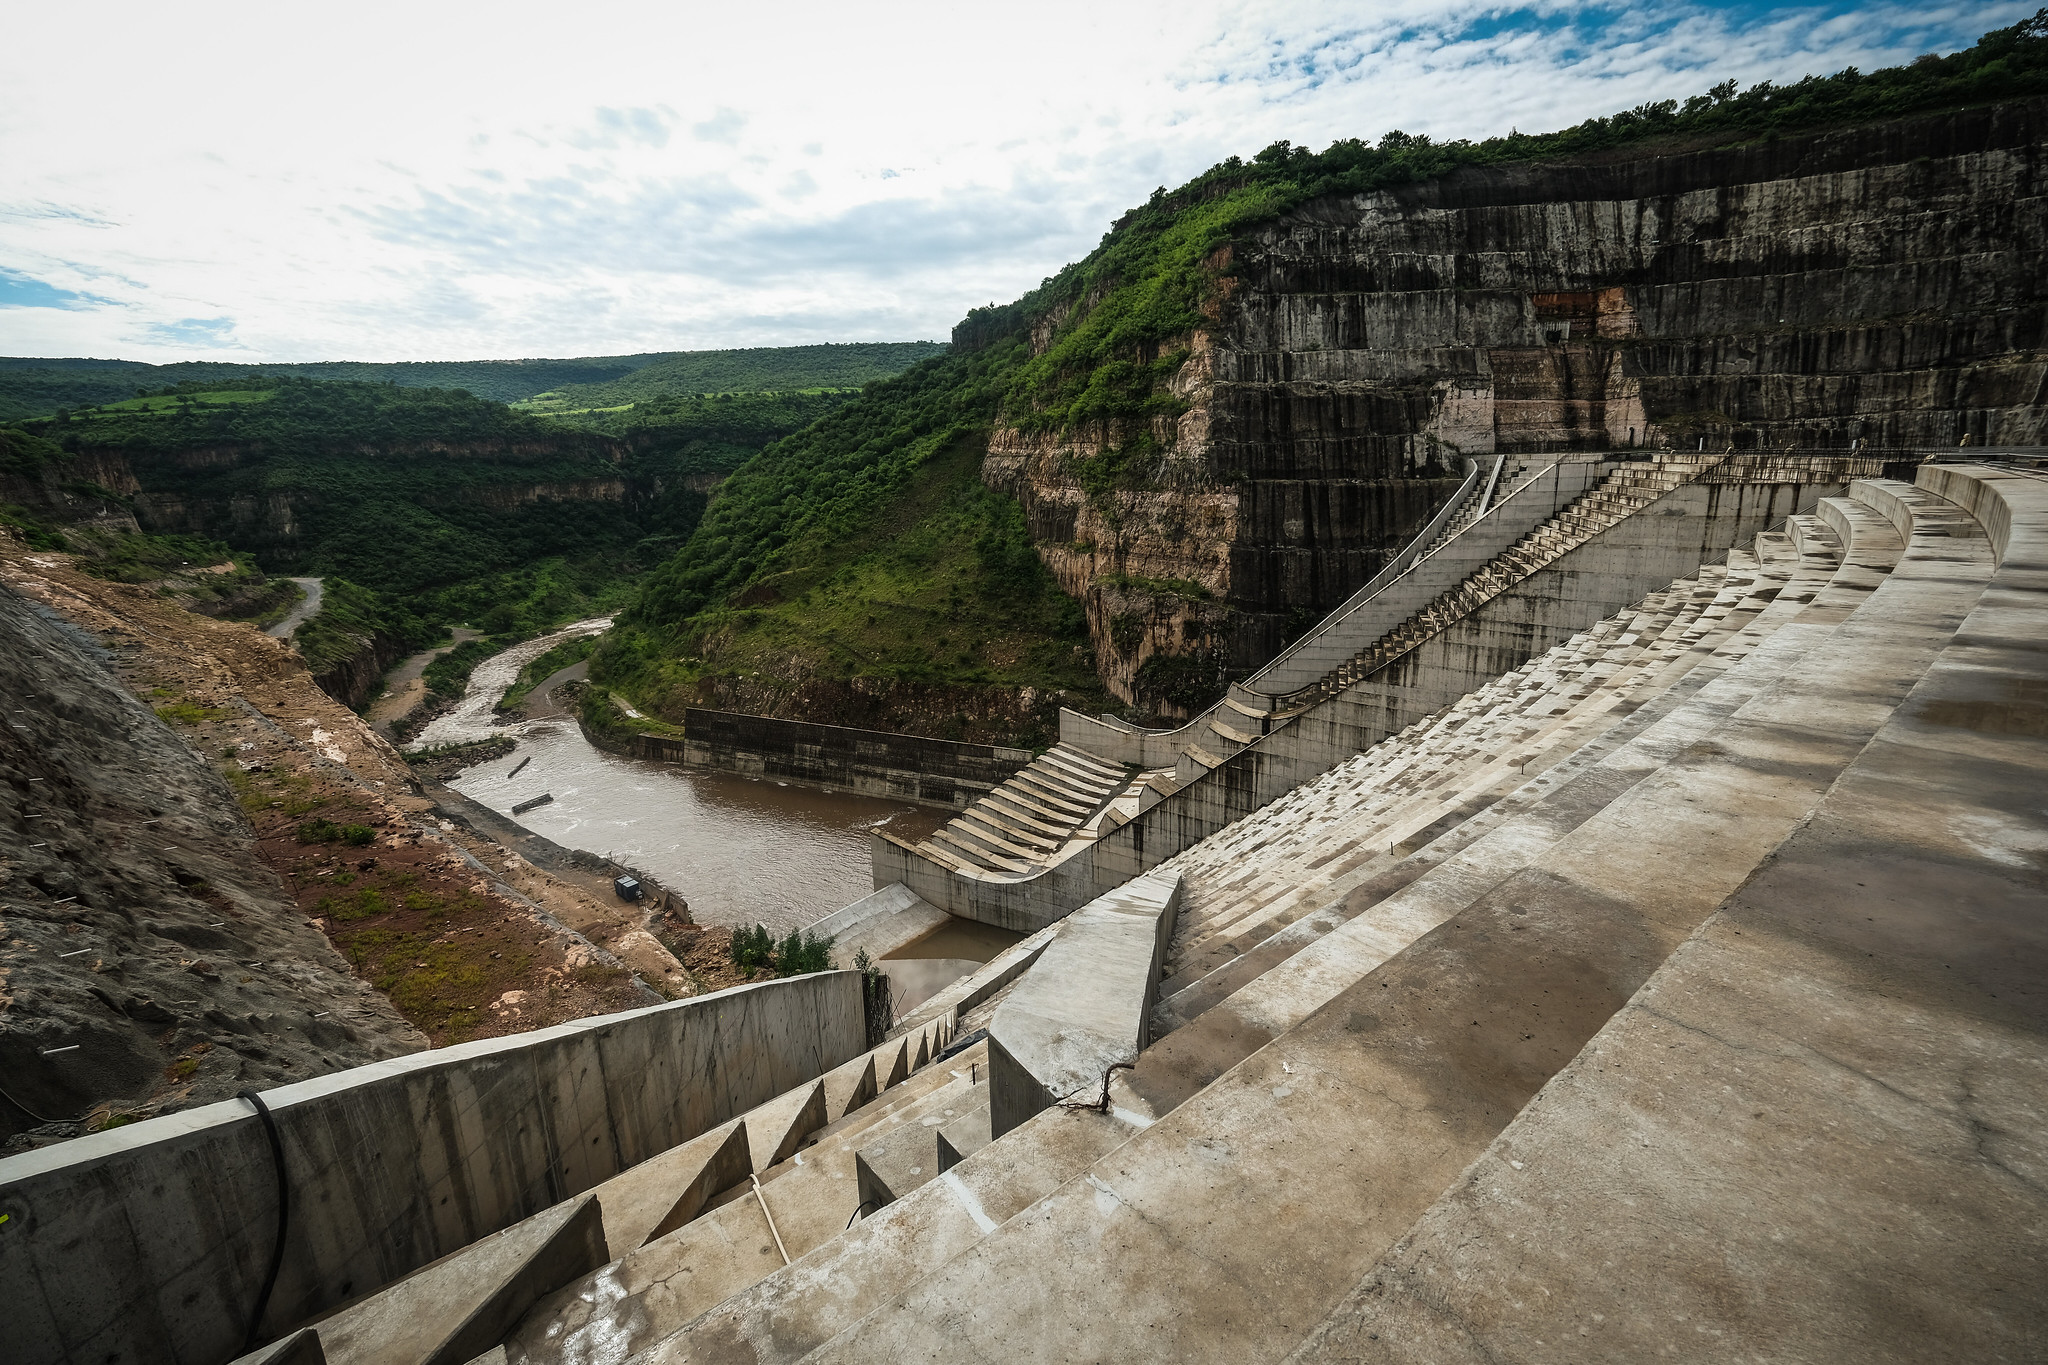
[(739, 851)]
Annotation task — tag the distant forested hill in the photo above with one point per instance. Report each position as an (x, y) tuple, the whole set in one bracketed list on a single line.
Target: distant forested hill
[(845, 365), (453, 507), (33, 387)]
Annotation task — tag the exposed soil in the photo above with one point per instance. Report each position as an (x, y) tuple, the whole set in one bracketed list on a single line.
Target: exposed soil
[(257, 886)]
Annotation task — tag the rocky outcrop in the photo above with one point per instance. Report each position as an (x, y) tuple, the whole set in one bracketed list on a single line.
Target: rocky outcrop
[(353, 680), (136, 904), (1880, 285)]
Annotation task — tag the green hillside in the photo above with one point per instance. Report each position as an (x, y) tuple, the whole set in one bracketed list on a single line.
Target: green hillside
[(452, 505), (33, 387), (846, 365), (769, 578)]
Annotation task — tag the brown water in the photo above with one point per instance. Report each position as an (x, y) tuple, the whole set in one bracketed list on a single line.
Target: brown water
[(740, 852)]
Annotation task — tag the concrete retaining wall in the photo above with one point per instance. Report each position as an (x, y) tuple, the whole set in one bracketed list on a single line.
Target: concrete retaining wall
[(931, 772), (1365, 616), (1085, 1006), (151, 1242)]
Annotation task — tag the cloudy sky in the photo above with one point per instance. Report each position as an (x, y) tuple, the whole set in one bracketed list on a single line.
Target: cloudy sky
[(423, 181)]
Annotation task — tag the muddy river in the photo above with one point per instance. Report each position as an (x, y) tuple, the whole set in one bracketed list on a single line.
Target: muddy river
[(740, 852)]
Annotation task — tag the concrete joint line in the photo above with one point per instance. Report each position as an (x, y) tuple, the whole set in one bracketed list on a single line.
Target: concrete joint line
[(965, 1197)]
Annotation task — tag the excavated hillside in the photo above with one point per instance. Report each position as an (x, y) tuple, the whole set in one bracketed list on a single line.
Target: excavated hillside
[(214, 876), (1880, 284)]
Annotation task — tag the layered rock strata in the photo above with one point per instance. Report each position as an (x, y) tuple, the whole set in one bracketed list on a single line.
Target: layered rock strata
[(1878, 286)]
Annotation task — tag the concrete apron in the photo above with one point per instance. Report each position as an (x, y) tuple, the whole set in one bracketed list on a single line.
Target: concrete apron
[(1817, 1121), (1228, 1229)]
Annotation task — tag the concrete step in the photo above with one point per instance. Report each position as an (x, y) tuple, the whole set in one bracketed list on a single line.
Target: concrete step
[(744, 1234), (462, 1305), (971, 850), (1780, 640), (1508, 723), (793, 1312), (1238, 735), (1292, 889), (1466, 854)]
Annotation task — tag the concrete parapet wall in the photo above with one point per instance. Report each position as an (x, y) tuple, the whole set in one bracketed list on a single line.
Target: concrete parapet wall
[(1360, 622), (931, 772), (152, 1241), (1085, 1006)]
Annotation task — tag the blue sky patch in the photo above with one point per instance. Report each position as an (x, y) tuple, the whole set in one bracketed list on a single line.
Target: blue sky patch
[(194, 332), (26, 291)]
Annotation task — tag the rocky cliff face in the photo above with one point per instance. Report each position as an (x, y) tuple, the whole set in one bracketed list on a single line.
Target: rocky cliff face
[(1879, 285)]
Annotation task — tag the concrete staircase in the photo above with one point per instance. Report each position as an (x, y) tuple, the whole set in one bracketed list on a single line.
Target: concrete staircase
[(1266, 1132), (1282, 1139), (1308, 852), (1621, 495), (1024, 824)]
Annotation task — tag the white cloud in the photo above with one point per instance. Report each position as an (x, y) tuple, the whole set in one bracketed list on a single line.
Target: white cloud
[(424, 181)]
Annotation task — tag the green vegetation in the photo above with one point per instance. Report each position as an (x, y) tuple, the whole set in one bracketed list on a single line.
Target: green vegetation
[(39, 534), (540, 668), (448, 676), (23, 456), (855, 547), (31, 387), (187, 712), (459, 506), (766, 369), (800, 953), (327, 832), (902, 566), (349, 615)]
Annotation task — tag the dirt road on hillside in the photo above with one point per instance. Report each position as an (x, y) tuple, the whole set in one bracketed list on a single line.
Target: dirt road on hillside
[(302, 613)]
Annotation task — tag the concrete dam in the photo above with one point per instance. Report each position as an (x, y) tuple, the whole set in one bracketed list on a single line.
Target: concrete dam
[(1614, 929)]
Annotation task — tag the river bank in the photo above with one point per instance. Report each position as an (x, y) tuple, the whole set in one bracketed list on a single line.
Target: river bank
[(740, 852)]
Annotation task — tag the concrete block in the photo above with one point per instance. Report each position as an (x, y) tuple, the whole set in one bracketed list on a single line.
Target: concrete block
[(1086, 1006), (451, 1311), (898, 1163), (784, 1122), (664, 1192), (962, 1137), (849, 1086)]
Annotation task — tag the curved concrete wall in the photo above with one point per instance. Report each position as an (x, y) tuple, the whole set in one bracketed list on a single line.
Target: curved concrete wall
[(151, 1242)]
